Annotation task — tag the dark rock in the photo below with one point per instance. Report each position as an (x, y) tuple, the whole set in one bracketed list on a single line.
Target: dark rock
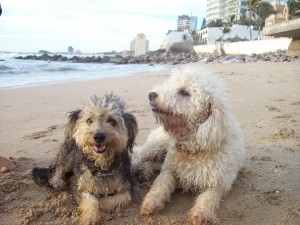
[(168, 57)]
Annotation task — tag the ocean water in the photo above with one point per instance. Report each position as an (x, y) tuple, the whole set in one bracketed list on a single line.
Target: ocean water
[(16, 73)]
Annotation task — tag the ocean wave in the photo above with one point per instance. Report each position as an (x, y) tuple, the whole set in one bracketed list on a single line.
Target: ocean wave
[(61, 69), (5, 67), (16, 73)]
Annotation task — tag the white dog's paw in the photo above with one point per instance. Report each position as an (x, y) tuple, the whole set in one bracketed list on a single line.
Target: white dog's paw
[(150, 205), (201, 218)]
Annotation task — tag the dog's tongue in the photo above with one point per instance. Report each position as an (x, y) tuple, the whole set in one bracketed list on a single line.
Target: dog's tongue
[(99, 148)]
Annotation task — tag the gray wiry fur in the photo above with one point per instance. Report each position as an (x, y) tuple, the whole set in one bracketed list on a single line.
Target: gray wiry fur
[(94, 158)]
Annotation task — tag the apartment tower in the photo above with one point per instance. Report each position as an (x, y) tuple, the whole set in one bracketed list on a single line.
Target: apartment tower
[(186, 23), (139, 45), (223, 9)]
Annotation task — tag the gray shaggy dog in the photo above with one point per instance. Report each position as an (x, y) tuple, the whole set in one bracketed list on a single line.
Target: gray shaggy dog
[(93, 160)]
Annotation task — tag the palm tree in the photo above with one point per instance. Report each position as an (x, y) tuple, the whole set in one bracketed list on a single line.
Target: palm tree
[(194, 35), (264, 10), (231, 20), (203, 24), (252, 6), (226, 30), (294, 8), (184, 37), (243, 18), (216, 23)]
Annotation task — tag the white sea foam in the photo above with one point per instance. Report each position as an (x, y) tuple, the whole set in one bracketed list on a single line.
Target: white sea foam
[(16, 73)]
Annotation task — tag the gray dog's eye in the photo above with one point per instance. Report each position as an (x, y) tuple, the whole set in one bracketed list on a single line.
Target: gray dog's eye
[(183, 93), (89, 121), (112, 122)]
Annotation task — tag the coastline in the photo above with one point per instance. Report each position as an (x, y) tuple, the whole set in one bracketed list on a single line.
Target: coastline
[(263, 96), (31, 73)]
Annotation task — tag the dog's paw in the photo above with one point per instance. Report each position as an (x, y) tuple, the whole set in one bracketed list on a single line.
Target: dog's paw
[(146, 171), (201, 218), (141, 177), (150, 205), (57, 183)]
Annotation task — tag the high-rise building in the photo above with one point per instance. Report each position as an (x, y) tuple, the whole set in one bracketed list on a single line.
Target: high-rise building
[(186, 23), (70, 49), (139, 45), (222, 9)]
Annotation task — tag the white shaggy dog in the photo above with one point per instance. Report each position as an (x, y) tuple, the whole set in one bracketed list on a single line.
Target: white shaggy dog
[(200, 144)]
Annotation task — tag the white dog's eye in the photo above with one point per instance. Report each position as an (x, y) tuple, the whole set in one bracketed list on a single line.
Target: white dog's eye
[(89, 121), (112, 122), (183, 93)]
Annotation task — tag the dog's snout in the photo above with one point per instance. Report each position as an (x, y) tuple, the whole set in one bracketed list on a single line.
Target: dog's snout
[(99, 137), (152, 96)]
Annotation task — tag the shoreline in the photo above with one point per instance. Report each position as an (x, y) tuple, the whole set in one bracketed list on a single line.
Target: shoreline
[(30, 73), (264, 97), (75, 81), (209, 61)]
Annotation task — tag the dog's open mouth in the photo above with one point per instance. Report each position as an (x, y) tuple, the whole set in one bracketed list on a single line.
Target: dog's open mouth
[(99, 149), (159, 111), (172, 123)]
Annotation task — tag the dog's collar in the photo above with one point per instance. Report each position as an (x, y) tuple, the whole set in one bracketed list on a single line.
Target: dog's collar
[(98, 172), (104, 173)]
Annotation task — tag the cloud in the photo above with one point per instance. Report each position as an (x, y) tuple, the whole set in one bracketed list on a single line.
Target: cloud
[(91, 25)]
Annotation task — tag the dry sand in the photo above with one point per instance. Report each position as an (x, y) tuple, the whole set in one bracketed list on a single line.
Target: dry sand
[(265, 97)]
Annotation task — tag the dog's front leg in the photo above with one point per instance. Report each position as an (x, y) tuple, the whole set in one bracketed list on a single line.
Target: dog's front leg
[(115, 202), (148, 158), (63, 164), (203, 213), (159, 194), (57, 181), (90, 210)]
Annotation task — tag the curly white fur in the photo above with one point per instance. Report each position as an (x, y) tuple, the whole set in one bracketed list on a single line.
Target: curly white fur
[(200, 144)]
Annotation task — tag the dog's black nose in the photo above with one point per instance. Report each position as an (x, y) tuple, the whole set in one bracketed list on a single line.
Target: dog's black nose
[(99, 137), (152, 96)]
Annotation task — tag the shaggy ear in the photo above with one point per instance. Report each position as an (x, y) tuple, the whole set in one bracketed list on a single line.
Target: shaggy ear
[(132, 128), (211, 132), (73, 117)]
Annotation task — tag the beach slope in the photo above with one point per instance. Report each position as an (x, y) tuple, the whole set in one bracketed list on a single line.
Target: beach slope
[(265, 98)]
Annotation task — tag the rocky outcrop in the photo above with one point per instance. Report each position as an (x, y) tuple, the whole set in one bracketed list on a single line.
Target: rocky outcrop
[(171, 58)]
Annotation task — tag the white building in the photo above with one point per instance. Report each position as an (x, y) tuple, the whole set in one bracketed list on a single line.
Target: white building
[(222, 9), (186, 23), (139, 45), (174, 37), (212, 35)]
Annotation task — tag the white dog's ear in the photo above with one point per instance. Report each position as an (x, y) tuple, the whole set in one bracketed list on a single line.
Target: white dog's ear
[(211, 132)]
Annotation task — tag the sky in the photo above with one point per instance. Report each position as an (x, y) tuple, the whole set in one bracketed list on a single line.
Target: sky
[(89, 25)]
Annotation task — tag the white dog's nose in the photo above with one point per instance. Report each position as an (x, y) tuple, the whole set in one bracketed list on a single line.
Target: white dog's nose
[(152, 96)]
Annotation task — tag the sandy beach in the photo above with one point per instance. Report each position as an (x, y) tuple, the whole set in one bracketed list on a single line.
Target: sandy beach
[(265, 98)]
